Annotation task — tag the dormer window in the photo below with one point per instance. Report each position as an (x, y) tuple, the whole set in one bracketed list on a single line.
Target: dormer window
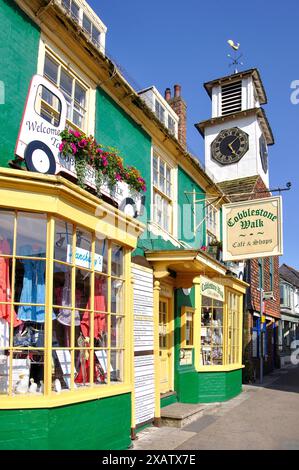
[(87, 19)]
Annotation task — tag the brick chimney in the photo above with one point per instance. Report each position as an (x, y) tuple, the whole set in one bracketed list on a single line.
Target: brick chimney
[(179, 106)]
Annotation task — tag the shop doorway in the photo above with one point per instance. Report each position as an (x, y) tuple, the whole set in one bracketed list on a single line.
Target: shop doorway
[(165, 345)]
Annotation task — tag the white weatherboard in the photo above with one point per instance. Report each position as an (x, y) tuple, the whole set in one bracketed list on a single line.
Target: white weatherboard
[(143, 345)]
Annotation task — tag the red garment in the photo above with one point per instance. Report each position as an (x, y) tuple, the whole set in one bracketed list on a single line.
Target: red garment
[(100, 322), (99, 375), (5, 292)]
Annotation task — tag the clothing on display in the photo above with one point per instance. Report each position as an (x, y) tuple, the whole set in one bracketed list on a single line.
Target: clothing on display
[(100, 305), (5, 291), (33, 291), (63, 297)]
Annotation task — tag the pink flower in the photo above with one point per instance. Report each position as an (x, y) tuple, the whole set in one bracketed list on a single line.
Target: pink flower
[(118, 177), (61, 146), (74, 148), (82, 143), (143, 187), (141, 180), (105, 163), (99, 150), (75, 133)]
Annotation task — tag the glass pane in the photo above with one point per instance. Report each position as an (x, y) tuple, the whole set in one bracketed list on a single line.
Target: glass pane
[(189, 328), (31, 234), (117, 331), (101, 255), (51, 70), (63, 241), (83, 249), (117, 366), (162, 177), (117, 296), (4, 372), (66, 4), (5, 287), (101, 293), (100, 328), (28, 372), (75, 11), (86, 24), (30, 282), (82, 366), (61, 333), (66, 83), (6, 232), (95, 36), (77, 119), (100, 362), (117, 261), (82, 289), (61, 370), (62, 285), (217, 356), (80, 95)]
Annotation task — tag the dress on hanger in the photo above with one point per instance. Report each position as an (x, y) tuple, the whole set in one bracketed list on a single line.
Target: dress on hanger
[(100, 305), (63, 297), (5, 291)]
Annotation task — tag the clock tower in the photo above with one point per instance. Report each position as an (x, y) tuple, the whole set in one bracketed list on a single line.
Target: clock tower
[(238, 134)]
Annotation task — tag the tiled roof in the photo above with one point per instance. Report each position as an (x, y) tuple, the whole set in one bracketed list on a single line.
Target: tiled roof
[(239, 189), (289, 274)]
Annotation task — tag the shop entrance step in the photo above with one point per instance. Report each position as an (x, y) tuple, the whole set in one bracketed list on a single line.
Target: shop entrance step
[(179, 415)]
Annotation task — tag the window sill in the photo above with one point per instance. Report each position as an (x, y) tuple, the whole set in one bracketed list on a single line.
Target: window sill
[(154, 228), (62, 399)]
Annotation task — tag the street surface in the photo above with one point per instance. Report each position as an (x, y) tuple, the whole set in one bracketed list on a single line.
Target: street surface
[(262, 417)]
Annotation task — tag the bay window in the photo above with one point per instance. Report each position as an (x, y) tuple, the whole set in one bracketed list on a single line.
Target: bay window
[(63, 307)]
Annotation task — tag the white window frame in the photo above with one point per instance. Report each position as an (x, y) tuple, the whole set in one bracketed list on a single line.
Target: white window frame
[(62, 57), (171, 198), (212, 222)]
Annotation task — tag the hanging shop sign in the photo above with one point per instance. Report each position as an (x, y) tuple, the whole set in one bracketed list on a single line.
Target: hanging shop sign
[(44, 118), (252, 229), (144, 378), (211, 289)]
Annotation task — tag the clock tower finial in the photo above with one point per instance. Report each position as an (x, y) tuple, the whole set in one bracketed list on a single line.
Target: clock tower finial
[(236, 56)]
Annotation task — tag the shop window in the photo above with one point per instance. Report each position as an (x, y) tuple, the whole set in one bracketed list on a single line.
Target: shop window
[(78, 292), (233, 328), (211, 331), (187, 319)]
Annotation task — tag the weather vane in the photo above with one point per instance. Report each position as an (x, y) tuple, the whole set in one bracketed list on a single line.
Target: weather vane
[(236, 56)]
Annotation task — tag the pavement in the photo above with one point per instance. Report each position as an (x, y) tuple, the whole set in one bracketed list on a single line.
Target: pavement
[(262, 417)]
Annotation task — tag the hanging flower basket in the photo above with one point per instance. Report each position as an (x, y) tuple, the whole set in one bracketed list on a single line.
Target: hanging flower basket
[(107, 166)]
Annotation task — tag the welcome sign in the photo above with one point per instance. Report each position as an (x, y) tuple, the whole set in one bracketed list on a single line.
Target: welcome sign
[(252, 229)]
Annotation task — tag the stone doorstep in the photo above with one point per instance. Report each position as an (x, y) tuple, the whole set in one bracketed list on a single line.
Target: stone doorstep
[(179, 415)]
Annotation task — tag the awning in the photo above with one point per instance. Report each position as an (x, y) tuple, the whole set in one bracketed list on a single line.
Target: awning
[(186, 264)]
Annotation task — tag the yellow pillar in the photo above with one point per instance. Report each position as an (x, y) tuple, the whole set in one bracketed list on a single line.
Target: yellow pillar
[(157, 289), (197, 322)]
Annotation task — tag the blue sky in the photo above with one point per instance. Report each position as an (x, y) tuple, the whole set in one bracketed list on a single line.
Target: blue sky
[(170, 41)]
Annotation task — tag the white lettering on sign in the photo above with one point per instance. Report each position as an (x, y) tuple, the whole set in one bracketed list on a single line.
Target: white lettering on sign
[(83, 258)]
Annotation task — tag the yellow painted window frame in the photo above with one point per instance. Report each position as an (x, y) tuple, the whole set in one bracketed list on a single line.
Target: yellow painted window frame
[(49, 397), (225, 367), (184, 311)]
